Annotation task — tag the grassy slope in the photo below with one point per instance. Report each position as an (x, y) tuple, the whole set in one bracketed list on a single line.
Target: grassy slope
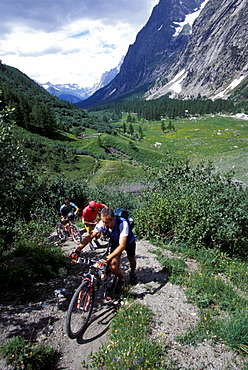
[(223, 140)]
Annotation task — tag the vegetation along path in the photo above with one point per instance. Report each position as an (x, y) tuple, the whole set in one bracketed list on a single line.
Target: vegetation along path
[(44, 321)]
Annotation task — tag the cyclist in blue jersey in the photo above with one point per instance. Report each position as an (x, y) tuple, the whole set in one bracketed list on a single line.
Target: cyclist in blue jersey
[(68, 210), (121, 238)]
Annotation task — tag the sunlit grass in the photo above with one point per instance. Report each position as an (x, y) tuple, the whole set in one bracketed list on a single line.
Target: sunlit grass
[(218, 287), (129, 345)]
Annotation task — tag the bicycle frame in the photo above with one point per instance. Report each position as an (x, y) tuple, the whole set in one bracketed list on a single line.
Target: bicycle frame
[(94, 274), (68, 228), (82, 301)]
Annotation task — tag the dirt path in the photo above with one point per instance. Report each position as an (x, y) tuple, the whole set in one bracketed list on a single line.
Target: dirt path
[(44, 321)]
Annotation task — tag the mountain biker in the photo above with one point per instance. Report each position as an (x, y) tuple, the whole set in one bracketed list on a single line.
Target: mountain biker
[(68, 211), (121, 238), (89, 216)]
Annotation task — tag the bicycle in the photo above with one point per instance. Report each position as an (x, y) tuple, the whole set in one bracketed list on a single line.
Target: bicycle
[(82, 302), (68, 228)]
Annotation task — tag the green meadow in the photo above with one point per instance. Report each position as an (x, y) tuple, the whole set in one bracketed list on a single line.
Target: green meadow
[(221, 140)]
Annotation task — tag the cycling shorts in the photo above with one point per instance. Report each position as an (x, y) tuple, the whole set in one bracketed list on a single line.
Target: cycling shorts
[(130, 248)]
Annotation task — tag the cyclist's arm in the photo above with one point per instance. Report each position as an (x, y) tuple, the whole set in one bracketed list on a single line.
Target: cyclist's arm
[(86, 222), (76, 211), (119, 249)]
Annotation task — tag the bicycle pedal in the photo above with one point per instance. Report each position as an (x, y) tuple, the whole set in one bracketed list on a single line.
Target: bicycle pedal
[(116, 301)]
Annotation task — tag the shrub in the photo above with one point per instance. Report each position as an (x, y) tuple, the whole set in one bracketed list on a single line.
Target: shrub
[(26, 265), (21, 354), (196, 207)]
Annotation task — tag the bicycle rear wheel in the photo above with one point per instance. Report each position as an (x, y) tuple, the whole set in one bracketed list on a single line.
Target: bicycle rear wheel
[(75, 233), (61, 232), (80, 310)]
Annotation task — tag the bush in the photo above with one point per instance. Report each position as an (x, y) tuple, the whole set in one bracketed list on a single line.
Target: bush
[(29, 263), (21, 354), (197, 207)]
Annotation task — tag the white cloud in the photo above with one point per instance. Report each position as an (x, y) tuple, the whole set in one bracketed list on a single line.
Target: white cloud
[(78, 50)]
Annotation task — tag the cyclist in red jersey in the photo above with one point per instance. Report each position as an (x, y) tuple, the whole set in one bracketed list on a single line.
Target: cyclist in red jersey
[(89, 216)]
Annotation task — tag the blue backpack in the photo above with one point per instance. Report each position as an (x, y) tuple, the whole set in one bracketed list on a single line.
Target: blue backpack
[(120, 212)]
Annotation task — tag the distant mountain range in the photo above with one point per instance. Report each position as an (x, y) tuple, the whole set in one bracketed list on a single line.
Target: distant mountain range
[(187, 49), (74, 93)]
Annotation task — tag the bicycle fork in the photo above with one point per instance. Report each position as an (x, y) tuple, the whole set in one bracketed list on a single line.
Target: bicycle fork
[(86, 301)]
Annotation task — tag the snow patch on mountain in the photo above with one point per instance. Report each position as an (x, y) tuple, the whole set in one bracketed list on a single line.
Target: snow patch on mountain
[(224, 94), (189, 20), (174, 86)]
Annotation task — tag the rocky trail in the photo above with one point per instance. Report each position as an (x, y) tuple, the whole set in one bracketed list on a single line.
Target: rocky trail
[(44, 320)]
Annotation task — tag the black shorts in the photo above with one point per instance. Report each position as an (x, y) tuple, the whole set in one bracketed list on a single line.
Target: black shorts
[(130, 248)]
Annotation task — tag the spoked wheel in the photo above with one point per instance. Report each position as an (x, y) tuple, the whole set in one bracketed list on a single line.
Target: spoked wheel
[(79, 310), (75, 233), (61, 232)]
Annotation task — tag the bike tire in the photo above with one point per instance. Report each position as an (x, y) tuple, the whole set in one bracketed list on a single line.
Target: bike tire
[(75, 233), (78, 315), (61, 232)]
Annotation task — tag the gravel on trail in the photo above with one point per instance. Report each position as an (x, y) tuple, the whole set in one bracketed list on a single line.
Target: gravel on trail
[(44, 320)]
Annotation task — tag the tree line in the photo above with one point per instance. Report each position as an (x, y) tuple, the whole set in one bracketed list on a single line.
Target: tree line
[(171, 108)]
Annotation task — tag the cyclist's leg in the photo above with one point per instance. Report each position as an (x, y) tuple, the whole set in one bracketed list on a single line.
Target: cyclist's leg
[(114, 267), (87, 228), (130, 249), (133, 263)]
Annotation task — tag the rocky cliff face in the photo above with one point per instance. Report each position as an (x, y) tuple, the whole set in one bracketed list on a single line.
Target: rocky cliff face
[(187, 48), (216, 57), (155, 47)]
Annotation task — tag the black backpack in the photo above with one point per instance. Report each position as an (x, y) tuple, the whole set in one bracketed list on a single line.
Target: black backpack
[(120, 212)]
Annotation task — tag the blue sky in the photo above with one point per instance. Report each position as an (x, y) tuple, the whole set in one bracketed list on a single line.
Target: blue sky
[(69, 41)]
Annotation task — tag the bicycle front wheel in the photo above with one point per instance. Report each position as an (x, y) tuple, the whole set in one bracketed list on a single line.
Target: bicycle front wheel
[(61, 232), (75, 233), (80, 310)]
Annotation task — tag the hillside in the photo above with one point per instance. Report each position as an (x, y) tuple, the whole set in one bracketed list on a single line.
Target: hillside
[(100, 145)]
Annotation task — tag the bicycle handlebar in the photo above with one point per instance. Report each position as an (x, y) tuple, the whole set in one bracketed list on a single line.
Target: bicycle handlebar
[(87, 261)]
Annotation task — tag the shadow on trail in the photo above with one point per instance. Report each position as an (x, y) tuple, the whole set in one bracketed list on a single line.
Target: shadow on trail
[(149, 282), (20, 324), (98, 326)]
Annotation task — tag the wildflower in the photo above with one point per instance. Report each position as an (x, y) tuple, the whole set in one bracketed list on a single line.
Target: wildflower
[(114, 359), (205, 318), (13, 356)]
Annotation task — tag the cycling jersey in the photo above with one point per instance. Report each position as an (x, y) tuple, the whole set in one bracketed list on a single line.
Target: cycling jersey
[(66, 210), (89, 215), (121, 228)]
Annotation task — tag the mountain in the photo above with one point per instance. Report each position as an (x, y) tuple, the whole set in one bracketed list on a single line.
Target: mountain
[(188, 48), (69, 92), (215, 59), (73, 93), (108, 76)]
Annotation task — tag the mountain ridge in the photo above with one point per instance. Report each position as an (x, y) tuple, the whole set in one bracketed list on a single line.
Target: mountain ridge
[(163, 52), (73, 93)]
